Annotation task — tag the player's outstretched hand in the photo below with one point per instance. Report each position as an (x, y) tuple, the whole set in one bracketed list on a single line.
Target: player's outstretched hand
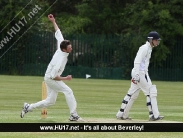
[(51, 18)]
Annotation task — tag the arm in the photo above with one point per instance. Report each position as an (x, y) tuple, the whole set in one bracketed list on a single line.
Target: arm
[(52, 19), (58, 33), (59, 78), (138, 59)]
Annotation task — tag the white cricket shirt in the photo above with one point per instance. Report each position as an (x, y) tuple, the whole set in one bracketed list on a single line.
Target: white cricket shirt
[(141, 62), (59, 59)]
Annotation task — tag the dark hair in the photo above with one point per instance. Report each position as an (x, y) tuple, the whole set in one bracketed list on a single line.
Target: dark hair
[(64, 44)]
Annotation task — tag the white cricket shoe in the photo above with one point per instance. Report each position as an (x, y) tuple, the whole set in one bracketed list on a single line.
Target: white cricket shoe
[(76, 118), (120, 114), (24, 109)]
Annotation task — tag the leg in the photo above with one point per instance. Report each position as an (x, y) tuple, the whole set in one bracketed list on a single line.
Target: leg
[(148, 99), (145, 84), (151, 93), (70, 98), (50, 100), (154, 105), (60, 86), (128, 101)]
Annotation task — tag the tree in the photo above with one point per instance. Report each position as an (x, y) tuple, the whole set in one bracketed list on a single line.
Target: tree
[(19, 20), (132, 19), (145, 16)]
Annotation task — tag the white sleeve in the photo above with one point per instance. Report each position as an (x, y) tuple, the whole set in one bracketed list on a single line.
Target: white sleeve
[(138, 59), (59, 37)]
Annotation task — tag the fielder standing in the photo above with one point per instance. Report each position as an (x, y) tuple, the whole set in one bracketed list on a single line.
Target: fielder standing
[(54, 82), (141, 81)]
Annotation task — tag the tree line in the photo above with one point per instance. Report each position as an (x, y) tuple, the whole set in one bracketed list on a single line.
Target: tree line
[(131, 19)]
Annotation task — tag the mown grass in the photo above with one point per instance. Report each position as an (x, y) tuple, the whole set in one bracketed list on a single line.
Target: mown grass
[(97, 100)]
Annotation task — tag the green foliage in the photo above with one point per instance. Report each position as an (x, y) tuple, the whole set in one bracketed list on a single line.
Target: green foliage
[(134, 19), (74, 25), (18, 23), (145, 16), (131, 20)]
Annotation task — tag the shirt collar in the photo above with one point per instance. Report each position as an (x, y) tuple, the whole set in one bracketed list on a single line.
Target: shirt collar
[(63, 53), (149, 44)]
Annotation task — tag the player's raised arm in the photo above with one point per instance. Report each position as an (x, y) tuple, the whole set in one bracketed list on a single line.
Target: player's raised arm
[(52, 19), (58, 33)]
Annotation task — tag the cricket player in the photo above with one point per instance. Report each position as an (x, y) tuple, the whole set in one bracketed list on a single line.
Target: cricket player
[(54, 82), (141, 81)]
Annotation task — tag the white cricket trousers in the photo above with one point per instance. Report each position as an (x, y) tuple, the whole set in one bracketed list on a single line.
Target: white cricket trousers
[(53, 87), (144, 85)]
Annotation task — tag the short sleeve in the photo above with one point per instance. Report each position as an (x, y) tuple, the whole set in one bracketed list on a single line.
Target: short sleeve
[(59, 37)]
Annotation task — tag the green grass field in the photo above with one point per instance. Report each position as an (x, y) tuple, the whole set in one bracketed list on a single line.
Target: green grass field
[(97, 100)]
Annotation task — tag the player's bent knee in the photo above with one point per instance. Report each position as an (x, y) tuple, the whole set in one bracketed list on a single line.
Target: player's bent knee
[(68, 91), (50, 102), (153, 91)]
